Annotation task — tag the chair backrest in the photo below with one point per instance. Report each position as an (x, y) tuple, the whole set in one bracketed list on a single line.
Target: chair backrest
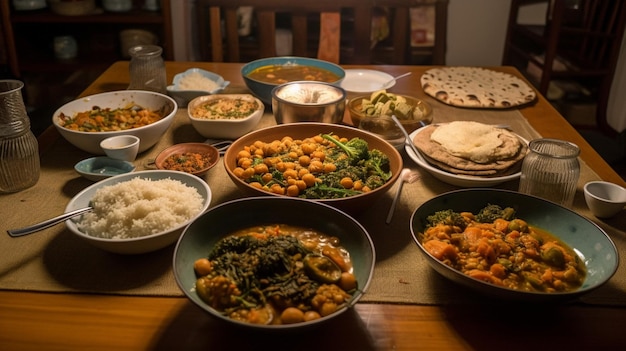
[(338, 31)]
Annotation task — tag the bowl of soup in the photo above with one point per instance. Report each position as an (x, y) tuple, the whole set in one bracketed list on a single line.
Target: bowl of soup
[(263, 75)]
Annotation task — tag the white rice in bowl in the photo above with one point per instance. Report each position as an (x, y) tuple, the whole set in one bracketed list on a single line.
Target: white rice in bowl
[(140, 207)]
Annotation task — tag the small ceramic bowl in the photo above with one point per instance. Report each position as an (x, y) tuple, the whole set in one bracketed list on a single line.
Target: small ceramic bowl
[(604, 199), (102, 167), (195, 82), (179, 150), (202, 112), (121, 147)]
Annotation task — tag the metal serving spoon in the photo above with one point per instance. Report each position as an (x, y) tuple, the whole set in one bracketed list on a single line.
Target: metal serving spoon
[(47, 223), (406, 176), (395, 78)]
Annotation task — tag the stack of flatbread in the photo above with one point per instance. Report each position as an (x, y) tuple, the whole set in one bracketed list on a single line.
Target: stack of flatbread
[(471, 148), (476, 87)]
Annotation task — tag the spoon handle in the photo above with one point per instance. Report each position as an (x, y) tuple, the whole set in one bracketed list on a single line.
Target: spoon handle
[(47, 223), (395, 202)]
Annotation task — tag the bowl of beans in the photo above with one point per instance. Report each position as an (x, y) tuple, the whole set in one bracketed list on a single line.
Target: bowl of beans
[(341, 166), (263, 75), (513, 246), (193, 158), (225, 116), (86, 121)]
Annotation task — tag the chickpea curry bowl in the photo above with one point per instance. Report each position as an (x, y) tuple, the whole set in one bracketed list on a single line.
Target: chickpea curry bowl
[(274, 262), (86, 121), (337, 165), (225, 116), (513, 246)]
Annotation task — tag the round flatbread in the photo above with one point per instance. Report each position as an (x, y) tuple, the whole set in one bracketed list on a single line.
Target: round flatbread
[(476, 87), (504, 159)]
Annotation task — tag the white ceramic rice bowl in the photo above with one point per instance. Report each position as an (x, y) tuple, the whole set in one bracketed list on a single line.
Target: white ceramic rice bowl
[(148, 135), (146, 243)]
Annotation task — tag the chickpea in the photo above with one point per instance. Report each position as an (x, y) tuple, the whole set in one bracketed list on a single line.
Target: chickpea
[(346, 182), (311, 316), (318, 155), (256, 185), (248, 173), (308, 179), (277, 189), (301, 184), (261, 168), (202, 266), (358, 185), (243, 154), (293, 155), (244, 162), (267, 177), (347, 281), (316, 167), (290, 173), (304, 160), (308, 148), (293, 190), (238, 172), (328, 308), (329, 167)]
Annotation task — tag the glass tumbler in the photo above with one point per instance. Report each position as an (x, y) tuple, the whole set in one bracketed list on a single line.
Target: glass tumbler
[(551, 170), (147, 69)]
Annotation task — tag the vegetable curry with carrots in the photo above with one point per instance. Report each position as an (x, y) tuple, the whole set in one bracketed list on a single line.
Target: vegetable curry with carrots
[(495, 247)]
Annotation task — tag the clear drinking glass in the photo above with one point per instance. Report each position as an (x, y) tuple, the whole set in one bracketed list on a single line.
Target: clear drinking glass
[(147, 69), (551, 170), (19, 150)]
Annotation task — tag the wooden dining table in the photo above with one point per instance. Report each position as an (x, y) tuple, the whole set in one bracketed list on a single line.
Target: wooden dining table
[(88, 320)]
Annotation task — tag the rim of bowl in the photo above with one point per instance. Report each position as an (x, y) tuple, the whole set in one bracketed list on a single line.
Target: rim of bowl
[(619, 188)]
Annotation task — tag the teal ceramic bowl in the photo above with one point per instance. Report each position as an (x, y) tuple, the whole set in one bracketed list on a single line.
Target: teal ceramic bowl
[(102, 167), (204, 232), (592, 244), (263, 90)]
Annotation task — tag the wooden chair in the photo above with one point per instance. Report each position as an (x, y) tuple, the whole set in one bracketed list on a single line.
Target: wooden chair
[(334, 30)]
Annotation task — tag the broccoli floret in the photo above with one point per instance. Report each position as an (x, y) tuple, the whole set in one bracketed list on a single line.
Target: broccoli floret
[(492, 212), (333, 179), (447, 217), (322, 191), (378, 164), (374, 181), (357, 149)]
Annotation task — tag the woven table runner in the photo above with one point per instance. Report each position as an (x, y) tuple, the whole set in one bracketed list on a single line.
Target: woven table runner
[(54, 260)]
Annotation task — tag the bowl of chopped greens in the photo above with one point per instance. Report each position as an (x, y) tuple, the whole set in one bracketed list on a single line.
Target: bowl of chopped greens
[(86, 121), (274, 263), (513, 246), (338, 165)]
